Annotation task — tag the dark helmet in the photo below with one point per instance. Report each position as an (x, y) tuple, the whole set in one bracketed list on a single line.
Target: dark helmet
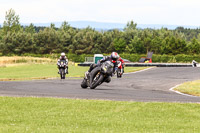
[(114, 56)]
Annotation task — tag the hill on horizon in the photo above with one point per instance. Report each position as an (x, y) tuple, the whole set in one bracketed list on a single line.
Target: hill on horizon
[(108, 26)]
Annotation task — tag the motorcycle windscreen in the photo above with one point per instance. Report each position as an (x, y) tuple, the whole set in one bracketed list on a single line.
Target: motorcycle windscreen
[(108, 67), (62, 62)]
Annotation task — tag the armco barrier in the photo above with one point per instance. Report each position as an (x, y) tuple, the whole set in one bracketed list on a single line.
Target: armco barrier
[(149, 64), (84, 64)]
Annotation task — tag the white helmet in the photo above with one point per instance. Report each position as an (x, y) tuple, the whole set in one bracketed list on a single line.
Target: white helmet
[(62, 54)]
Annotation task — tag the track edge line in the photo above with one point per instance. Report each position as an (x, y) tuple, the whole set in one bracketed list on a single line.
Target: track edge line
[(178, 92)]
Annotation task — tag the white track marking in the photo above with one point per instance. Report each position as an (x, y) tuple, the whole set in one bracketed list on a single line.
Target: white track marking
[(171, 89), (178, 92), (139, 70)]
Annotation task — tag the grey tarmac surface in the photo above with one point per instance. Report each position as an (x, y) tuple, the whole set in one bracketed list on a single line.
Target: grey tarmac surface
[(146, 86)]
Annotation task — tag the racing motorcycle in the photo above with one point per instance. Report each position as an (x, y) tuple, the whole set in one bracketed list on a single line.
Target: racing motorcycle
[(120, 69), (62, 68), (98, 75)]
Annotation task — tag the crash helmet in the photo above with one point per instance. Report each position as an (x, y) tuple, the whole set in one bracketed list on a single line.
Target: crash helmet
[(114, 56), (62, 55)]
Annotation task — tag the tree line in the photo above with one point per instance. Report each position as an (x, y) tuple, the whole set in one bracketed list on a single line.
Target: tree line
[(18, 39)]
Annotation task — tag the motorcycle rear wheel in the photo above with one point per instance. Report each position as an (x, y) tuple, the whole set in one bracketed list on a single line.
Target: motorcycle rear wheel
[(119, 75)]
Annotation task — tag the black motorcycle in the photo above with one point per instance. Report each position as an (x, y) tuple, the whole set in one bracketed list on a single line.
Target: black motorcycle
[(98, 75), (62, 68)]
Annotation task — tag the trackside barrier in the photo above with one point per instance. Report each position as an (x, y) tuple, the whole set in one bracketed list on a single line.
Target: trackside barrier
[(149, 64)]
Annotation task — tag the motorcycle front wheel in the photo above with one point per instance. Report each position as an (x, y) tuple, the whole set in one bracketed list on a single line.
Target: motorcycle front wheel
[(98, 78), (62, 73), (119, 75)]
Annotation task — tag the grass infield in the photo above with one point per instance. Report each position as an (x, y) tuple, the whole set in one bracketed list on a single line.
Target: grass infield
[(192, 88), (52, 115), (44, 71)]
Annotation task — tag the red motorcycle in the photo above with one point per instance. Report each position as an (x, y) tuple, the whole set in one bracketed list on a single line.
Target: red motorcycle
[(120, 69)]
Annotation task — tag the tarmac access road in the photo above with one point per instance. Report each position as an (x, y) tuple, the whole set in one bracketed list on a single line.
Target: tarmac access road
[(146, 86)]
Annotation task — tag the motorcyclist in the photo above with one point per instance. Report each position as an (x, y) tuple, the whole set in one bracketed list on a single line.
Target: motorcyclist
[(63, 57), (194, 63), (113, 58)]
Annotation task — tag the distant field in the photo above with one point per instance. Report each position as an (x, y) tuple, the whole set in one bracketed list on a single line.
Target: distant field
[(5, 60), (52, 115), (26, 68), (192, 88), (37, 71), (43, 71)]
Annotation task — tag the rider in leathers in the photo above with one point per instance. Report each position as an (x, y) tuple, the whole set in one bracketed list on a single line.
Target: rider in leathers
[(63, 57), (113, 58)]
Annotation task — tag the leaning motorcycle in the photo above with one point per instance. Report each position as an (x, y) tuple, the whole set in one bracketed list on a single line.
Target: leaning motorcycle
[(62, 68), (98, 75)]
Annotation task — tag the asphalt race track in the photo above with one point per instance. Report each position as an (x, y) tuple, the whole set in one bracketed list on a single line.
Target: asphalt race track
[(149, 85)]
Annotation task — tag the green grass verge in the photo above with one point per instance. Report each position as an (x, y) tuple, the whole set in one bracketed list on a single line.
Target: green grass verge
[(42, 71), (192, 88), (37, 71), (52, 115)]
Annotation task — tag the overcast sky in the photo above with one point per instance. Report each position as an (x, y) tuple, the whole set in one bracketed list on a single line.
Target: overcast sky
[(171, 12)]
